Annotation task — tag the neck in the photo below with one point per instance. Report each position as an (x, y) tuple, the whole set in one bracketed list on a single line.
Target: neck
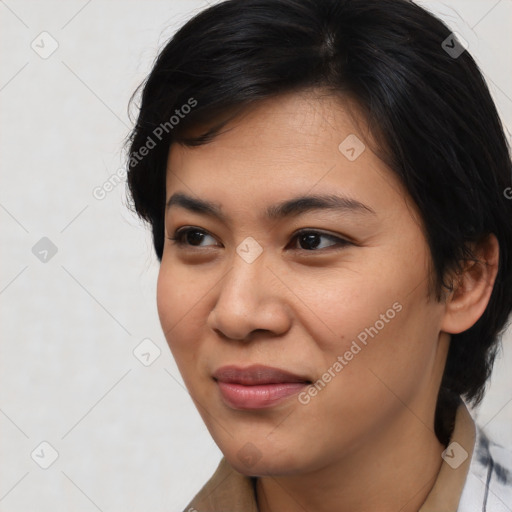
[(393, 470)]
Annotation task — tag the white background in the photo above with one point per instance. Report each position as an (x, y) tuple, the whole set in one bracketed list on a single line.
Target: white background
[(128, 436)]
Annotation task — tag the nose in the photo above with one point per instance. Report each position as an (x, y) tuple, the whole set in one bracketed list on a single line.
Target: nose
[(250, 299)]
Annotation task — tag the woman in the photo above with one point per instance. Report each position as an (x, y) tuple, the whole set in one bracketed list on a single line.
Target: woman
[(326, 187)]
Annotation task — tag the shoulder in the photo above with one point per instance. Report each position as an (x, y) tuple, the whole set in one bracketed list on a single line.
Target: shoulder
[(488, 486)]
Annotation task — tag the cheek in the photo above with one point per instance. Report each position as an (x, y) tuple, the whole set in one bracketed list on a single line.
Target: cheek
[(180, 299), (387, 355), (377, 319), (166, 299), (355, 301)]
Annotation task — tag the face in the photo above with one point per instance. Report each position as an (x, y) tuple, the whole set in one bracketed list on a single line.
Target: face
[(302, 329)]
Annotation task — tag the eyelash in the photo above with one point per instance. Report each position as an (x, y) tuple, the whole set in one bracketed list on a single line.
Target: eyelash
[(180, 233)]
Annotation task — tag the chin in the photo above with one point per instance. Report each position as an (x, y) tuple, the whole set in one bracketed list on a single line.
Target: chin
[(253, 462)]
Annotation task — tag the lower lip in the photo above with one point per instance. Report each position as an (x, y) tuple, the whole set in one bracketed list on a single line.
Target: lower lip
[(258, 397)]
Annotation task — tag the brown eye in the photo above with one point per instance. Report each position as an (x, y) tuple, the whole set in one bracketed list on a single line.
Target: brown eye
[(312, 240), (190, 236), (193, 237)]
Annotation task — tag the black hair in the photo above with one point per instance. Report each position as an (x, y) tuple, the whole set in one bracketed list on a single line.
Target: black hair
[(423, 96)]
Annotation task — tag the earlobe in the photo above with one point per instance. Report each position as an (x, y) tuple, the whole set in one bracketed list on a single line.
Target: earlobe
[(472, 288)]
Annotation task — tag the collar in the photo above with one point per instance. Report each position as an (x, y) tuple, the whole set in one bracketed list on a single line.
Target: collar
[(447, 490)]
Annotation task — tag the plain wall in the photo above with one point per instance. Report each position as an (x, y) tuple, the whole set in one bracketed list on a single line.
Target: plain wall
[(127, 435)]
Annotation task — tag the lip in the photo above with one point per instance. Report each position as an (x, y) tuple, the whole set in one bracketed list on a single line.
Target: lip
[(257, 386)]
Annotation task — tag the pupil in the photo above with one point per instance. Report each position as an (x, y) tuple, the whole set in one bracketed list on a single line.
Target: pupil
[(310, 240), (194, 236)]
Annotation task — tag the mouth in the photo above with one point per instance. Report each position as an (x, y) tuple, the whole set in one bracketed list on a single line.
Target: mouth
[(257, 386)]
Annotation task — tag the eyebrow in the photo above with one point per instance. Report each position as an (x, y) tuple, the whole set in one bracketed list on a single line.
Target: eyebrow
[(288, 208)]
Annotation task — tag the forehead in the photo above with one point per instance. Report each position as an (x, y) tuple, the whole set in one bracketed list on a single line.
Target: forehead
[(292, 123)]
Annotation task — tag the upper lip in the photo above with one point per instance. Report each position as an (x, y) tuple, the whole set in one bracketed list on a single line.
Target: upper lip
[(256, 374)]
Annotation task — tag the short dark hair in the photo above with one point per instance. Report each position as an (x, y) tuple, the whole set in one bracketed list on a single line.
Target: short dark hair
[(429, 109)]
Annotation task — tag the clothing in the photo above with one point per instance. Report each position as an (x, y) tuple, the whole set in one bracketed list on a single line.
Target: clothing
[(481, 482), (489, 482)]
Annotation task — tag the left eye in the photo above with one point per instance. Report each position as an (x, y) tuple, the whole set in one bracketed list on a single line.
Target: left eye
[(311, 240)]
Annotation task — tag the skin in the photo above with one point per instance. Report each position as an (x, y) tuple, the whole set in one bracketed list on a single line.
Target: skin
[(366, 441)]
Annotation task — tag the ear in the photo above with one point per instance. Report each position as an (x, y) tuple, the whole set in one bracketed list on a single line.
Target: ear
[(472, 288)]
